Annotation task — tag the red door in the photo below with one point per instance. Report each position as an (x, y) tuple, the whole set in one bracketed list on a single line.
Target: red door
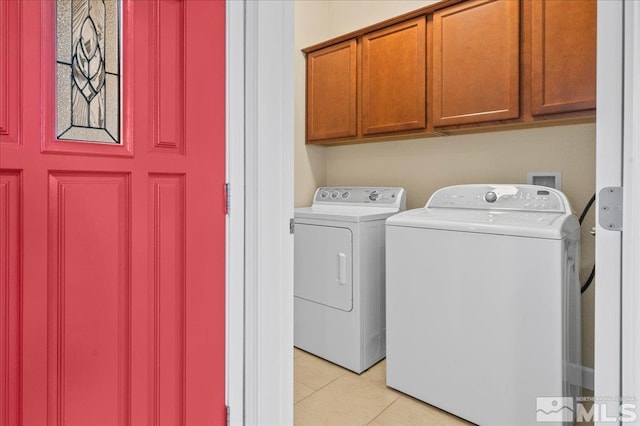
[(112, 253)]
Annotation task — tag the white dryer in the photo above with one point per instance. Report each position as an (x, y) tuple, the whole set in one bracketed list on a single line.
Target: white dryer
[(339, 307), (483, 303)]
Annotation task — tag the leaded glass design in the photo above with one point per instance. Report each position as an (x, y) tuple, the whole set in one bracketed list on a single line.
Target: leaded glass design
[(88, 70)]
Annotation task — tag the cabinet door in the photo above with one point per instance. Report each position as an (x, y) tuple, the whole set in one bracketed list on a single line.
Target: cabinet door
[(476, 62), (331, 92), (393, 78), (563, 56)]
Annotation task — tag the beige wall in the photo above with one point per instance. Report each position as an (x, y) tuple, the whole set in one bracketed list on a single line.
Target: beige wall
[(423, 165)]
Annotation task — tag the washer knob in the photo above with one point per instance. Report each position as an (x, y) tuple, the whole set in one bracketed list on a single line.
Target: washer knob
[(490, 197), (374, 195)]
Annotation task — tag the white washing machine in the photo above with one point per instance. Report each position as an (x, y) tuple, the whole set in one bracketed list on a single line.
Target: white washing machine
[(339, 307), (483, 303)]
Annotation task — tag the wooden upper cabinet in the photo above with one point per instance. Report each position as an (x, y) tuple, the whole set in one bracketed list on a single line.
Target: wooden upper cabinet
[(563, 53), (331, 92), (470, 63), (393, 78), (476, 62)]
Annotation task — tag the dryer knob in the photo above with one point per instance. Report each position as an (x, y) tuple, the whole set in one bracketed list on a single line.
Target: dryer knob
[(374, 195)]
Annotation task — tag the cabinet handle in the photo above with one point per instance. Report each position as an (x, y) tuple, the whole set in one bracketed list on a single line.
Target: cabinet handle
[(342, 268)]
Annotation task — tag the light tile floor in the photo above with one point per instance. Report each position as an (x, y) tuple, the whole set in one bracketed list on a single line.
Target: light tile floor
[(326, 394)]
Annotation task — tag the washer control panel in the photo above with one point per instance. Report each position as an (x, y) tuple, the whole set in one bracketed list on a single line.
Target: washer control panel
[(501, 197), (382, 196)]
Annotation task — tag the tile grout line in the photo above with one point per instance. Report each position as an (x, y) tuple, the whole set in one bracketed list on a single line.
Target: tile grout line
[(372, 380), (312, 393), (327, 384), (317, 390), (384, 409), (322, 387), (345, 373), (359, 376)]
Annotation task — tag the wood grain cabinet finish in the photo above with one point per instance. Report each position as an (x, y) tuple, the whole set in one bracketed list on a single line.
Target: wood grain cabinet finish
[(393, 78), (455, 66), (476, 62), (331, 92), (563, 53)]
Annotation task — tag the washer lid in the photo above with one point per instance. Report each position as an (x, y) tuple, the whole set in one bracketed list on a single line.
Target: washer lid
[(523, 224), (519, 210)]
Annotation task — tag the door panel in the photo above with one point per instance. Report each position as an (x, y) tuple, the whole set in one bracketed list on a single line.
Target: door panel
[(168, 70), (323, 260), (10, 268), (89, 298), (122, 278), (10, 82), (167, 271)]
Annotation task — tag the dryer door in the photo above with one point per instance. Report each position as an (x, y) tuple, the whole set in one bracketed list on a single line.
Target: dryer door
[(323, 265)]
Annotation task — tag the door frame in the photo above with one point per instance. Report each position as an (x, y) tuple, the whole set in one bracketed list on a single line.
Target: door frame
[(617, 309), (235, 167), (259, 284), (631, 224), (609, 154), (260, 105)]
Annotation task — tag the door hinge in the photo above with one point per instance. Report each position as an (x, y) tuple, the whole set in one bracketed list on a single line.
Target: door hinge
[(610, 208), (292, 226), (228, 415), (227, 198)]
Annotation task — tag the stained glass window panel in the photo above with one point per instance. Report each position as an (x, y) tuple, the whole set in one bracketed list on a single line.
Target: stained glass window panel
[(88, 70)]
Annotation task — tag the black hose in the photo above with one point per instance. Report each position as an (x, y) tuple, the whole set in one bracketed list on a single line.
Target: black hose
[(586, 209), (593, 270), (588, 283)]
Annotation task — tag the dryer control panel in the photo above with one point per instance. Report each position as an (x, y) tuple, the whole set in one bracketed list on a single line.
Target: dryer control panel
[(501, 197), (361, 196)]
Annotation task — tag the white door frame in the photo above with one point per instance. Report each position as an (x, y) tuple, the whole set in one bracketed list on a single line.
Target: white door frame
[(260, 156), (608, 276), (631, 213), (269, 124), (260, 249), (617, 297), (235, 152)]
